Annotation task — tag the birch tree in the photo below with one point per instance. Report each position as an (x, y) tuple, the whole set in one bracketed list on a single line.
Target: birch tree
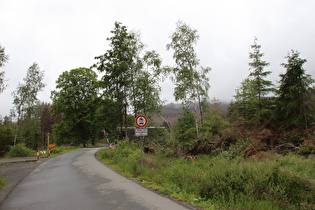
[(3, 59), (191, 84)]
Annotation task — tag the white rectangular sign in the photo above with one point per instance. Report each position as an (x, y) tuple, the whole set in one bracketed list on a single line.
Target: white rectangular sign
[(141, 132)]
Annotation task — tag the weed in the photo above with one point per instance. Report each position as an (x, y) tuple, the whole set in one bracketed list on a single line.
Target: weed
[(3, 182), (307, 150), (225, 181)]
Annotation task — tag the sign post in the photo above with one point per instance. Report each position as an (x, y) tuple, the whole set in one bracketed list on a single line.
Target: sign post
[(141, 121), (106, 136)]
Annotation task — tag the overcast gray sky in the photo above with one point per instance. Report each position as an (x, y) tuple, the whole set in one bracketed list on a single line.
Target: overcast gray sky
[(61, 35)]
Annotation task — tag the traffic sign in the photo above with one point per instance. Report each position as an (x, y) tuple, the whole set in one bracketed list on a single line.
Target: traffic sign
[(141, 132), (52, 146), (141, 121)]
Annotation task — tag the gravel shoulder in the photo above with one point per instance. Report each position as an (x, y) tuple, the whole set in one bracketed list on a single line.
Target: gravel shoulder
[(14, 173)]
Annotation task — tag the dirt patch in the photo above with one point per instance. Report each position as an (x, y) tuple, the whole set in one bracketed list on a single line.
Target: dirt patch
[(14, 173)]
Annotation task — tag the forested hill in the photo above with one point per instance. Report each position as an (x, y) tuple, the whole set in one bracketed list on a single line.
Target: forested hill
[(172, 111)]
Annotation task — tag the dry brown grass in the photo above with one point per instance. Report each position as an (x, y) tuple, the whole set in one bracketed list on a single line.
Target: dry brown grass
[(266, 155)]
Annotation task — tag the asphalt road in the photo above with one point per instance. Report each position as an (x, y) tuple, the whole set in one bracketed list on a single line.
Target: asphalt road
[(77, 180)]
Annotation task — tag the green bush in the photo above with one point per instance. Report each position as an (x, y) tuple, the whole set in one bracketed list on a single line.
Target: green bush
[(185, 130), (57, 150), (20, 150), (307, 150)]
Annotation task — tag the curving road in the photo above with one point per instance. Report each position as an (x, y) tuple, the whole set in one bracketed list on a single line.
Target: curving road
[(77, 180)]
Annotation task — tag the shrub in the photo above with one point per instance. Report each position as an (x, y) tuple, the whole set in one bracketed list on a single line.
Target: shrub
[(20, 150), (307, 150), (239, 147), (56, 150), (185, 130), (293, 137)]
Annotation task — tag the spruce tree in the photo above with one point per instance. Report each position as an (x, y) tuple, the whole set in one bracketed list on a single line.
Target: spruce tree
[(262, 87), (295, 107), (253, 99)]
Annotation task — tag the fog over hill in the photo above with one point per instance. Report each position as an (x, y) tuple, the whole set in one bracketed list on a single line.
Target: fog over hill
[(170, 112)]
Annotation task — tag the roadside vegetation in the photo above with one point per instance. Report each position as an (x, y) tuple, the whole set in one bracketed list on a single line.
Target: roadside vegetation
[(256, 153), (3, 182), (223, 181), (20, 150)]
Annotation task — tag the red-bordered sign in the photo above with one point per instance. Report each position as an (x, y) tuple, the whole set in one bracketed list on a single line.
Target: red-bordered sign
[(141, 121)]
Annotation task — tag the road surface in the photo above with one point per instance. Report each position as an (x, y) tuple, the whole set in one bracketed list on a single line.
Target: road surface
[(76, 180)]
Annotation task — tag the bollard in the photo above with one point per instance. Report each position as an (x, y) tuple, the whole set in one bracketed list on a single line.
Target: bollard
[(37, 154)]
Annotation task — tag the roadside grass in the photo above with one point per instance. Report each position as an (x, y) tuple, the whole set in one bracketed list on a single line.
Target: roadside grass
[(221, 182), (3, 182), (59, 150), (20, 150)]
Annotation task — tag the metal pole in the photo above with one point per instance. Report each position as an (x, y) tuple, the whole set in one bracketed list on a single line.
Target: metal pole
[(141, 156)]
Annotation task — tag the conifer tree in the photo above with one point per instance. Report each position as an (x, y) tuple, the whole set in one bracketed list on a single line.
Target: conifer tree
[(295, 104), (262, 87), (252, 102)]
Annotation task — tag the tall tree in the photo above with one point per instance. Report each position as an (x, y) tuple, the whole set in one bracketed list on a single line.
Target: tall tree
[(76, 99), (6, 136), (131, 75), (3, 59), (296, 94), (25, 96), (27, 106), (147, 90), (261, 86), (106, 118), (243, 109), (190, 84), (117, 64), (252, 102), (46, 122)]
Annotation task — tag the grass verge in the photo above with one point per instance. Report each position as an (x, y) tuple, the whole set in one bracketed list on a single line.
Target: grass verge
[(218, 182), (3, 182)]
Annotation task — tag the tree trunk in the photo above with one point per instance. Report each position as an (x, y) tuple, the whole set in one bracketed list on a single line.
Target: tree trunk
[(200, 109), (196, 118)]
